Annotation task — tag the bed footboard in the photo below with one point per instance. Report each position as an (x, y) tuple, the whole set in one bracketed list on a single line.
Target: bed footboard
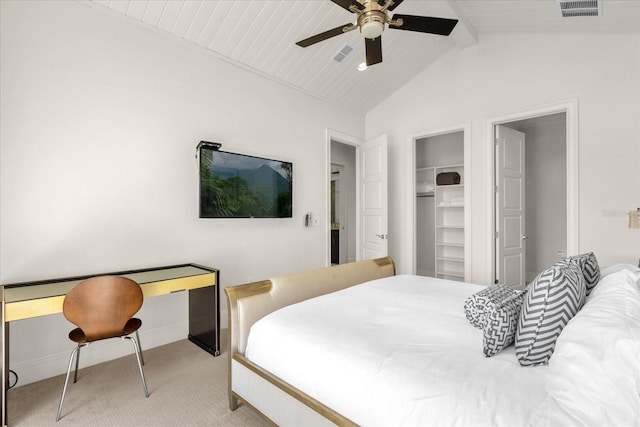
[(250, 302)]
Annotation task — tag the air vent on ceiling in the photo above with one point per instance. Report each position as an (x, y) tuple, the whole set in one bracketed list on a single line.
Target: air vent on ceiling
[(571, 8), (346, 50)]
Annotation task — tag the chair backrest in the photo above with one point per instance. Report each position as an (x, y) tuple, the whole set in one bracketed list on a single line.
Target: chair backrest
[(101, 306)]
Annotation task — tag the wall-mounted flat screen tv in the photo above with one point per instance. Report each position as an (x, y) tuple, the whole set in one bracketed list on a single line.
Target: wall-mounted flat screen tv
[(236, 185)]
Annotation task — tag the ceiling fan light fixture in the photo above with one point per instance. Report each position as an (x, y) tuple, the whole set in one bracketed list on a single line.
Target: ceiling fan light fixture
[(372, 29), (372, 22)]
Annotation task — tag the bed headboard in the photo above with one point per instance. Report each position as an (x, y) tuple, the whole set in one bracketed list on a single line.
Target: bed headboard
[(250, 302)]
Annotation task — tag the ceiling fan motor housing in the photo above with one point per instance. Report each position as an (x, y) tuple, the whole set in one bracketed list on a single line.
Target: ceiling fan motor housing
[(372, 20)]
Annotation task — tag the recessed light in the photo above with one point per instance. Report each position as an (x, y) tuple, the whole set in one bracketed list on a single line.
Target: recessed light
[(362, 66)]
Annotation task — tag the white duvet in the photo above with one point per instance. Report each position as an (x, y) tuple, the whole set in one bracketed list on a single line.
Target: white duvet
[(593, 378), (397, 352)]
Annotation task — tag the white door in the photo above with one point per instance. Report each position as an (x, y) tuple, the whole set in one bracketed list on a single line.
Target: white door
[(510, 218), (371, 172)]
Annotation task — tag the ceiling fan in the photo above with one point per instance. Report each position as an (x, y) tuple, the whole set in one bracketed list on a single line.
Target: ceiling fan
[(372, 16)]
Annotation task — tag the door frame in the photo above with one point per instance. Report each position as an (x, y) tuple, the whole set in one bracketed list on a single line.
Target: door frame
[(342, 138), (411, 214), (570, 108)]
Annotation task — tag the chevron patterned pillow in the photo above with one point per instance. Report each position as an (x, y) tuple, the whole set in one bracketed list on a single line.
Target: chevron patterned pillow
[(502, 320), (589, 267), (553, 298), (478, 305)]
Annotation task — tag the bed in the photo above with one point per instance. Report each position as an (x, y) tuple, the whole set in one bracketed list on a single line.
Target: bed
[(357, 344)]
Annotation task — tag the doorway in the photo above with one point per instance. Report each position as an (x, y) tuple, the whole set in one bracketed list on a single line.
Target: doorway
[(440, 225), (538, 237), (342, 232), (550, 222)]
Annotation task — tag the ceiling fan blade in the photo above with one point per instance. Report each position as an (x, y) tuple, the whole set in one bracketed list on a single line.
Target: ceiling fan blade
[(326, 35), (395, 4), (346, 4), (424, 24), (373, 48)]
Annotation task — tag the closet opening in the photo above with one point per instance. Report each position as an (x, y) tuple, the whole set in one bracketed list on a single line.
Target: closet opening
[(441, 208)]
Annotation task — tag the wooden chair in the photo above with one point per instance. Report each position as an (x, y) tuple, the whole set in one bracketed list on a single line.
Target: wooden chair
[(102, 307)]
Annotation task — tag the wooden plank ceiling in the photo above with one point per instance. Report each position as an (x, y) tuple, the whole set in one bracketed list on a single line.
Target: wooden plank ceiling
[(260, 36)]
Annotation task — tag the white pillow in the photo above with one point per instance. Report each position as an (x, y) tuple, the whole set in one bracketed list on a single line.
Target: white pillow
[(618, 267), (593, 377)]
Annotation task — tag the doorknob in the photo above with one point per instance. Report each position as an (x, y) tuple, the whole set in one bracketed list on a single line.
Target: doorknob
[(524, 237), (382, 236)]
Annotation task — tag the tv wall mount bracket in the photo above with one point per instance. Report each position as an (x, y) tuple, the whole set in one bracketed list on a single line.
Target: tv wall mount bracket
[(212, 145)]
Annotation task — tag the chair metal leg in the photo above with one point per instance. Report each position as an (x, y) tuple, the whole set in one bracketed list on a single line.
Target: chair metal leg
[(75, 375), (140, 346), (137, 349), (76, 354), (66, 380)]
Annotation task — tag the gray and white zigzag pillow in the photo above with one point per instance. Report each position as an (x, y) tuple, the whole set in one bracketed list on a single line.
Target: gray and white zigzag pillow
[(554, 297), (502, 322), (478, 305), (588, 264)]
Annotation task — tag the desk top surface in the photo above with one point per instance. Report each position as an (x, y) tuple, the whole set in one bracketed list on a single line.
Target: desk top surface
[(55, 287)]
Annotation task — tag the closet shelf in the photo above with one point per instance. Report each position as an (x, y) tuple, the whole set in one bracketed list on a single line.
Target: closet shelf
[(427, 194), (450, 186), (454, 245), (451, 273), (452, 259)]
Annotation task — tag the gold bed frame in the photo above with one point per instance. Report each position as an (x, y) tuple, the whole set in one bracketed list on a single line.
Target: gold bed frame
[(250, 302)]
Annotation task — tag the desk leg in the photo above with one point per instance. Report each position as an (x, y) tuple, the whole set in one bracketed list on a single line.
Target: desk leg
[(204, 317), (4, 331)]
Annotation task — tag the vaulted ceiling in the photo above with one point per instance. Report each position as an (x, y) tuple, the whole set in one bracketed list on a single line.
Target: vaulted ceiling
[(260, 36)]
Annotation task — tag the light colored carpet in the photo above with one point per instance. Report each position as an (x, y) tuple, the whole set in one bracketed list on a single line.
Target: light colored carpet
[(187, 386)]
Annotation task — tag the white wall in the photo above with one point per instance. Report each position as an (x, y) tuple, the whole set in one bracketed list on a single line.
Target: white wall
[(507, 74), (99, 123)]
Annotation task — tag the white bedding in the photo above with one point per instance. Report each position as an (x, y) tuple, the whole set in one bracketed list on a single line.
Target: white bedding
[(594, 374), (397, 351)]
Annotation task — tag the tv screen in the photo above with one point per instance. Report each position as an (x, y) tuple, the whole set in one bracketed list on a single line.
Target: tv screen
[(235, 185)]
